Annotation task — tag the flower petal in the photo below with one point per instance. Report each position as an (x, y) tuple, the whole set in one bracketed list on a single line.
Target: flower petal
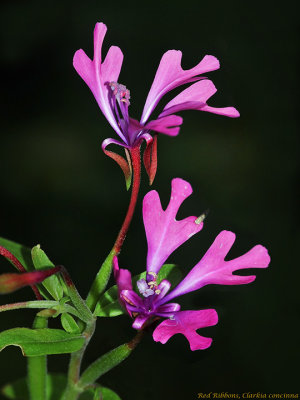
[(213, 269), (123, 280), (122, 276), (164, 233), (167, 310), (169, 125), (140, 321), (170, 75), (97, 75), (186, 323), (195, 98), (132, 298)]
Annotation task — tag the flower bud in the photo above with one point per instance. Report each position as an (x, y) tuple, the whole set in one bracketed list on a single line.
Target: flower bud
[(11, 282)]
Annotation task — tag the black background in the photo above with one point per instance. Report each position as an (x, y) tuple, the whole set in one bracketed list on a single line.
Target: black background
[(58, 188)]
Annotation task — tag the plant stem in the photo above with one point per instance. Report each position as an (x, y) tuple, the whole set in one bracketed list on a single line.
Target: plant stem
[(108, 361), (40, 304), (73, 388), (37, 368), (103, 275), (72, 392)]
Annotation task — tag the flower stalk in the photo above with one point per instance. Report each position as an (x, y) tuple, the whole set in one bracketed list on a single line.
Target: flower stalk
[(104, 273)]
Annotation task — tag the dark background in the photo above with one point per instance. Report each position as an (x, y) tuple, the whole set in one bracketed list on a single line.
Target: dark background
[(58, 188)]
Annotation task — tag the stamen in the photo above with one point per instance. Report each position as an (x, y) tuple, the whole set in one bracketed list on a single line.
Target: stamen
[(120, 92), (144, 288), (201, 218)]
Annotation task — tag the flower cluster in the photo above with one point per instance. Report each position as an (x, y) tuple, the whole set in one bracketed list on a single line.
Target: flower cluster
[(164, 235)]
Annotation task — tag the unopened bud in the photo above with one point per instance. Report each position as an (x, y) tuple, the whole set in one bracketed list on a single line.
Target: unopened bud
[(11, 282)]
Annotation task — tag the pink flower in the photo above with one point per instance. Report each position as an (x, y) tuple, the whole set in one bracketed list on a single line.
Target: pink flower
[(113, 98), (164, 235)]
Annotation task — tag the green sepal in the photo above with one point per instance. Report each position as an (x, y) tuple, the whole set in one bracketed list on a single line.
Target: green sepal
[(69, 324), (39, 342), (18, 390), (53, 284), (108, 304)]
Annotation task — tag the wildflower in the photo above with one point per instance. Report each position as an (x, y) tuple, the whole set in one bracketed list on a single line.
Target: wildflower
[(113, 97), (155, 300)]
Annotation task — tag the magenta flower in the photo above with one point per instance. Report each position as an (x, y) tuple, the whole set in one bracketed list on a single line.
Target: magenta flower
[(113, 98), (164, 235)]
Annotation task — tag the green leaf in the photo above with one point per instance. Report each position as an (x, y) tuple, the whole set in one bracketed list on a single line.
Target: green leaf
[(111, 310), (94, 394), (107, 394), (39, 342), (52, 284), (105, 363), (21, 252), (18, 390), (108, 304), (56, 384), (69, 324)]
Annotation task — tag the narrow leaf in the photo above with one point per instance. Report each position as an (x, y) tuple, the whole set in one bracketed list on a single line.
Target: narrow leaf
[(104, 364), (21, 252), (52, 284), (69, 324), (38, 342)]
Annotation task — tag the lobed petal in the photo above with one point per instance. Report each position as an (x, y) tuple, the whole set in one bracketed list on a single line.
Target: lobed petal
[(169, 125), (186, 323), (195, 98), (97, 75), (170, 75), (164, 233), (213, 269)]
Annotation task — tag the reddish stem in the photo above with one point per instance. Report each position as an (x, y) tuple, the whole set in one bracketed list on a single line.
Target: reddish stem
[(7, 254), (136, 166)]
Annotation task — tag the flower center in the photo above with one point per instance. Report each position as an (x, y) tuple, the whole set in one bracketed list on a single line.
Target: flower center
[(148, 288), (119, 97)]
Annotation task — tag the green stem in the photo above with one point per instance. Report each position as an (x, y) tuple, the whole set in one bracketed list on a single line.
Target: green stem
[(37, 368), (79, 303), (72, 391), (29, 304), (45, 304)]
